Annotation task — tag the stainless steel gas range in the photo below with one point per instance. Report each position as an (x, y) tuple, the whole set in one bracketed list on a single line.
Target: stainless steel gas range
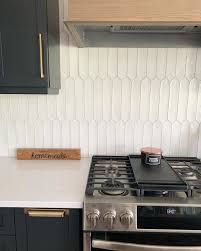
[(134, 207)]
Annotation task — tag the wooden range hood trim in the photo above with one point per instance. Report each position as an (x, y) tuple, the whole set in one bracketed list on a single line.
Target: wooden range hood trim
[(134, 11)]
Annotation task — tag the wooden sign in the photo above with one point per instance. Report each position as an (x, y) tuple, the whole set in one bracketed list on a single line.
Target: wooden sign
[(48, 154)]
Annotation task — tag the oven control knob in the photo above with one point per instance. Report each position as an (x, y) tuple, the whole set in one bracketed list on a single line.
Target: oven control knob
[(93, 217), (109, 218), (127, 218)]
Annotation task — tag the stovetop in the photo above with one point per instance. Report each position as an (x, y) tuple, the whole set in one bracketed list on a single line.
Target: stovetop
[(127, 176)]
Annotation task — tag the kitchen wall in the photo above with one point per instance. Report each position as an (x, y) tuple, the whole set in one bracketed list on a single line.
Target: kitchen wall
[(112, 101)]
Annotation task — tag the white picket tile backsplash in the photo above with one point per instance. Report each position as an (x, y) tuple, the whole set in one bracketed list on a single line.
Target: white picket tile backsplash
[(112, 101)]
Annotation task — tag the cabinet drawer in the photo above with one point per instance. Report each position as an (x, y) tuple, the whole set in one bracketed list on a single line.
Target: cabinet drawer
[(7, 243), (7, 226)]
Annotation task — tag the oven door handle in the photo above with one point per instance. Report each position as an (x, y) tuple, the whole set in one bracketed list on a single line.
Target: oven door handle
[(120, 246)]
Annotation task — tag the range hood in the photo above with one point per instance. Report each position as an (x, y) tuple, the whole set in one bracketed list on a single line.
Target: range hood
[(134, 23)]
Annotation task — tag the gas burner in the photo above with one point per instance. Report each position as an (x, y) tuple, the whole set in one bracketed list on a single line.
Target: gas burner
[(112, 171), (113, 188), (185, 172)]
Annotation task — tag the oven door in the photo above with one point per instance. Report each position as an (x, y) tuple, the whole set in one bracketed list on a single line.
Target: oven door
[(145, 242)]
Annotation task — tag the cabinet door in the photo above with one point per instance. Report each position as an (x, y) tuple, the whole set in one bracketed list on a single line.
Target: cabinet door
[(7, 221), (7, 243), (43, 231), (23, 30), (47, 233)]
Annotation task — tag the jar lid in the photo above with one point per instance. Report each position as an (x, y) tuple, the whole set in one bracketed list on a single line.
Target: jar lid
[(151, 150)]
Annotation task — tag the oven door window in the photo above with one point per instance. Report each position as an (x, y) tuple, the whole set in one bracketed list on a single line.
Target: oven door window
[(146, 242)]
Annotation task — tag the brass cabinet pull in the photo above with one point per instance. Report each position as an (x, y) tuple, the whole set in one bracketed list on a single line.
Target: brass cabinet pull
[(46, 213), (42, 75)]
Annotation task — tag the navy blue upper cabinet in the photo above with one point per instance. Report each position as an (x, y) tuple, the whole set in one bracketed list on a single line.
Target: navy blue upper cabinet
[(29, 46)]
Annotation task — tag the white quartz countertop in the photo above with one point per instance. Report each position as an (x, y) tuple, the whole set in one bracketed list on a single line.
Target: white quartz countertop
[(43, 184)]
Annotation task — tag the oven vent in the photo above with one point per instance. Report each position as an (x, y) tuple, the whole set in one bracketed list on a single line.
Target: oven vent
[(152, 29)]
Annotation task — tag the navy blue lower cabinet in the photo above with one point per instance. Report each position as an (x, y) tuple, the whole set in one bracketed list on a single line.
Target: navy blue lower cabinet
[(7, 243), (48, 230)]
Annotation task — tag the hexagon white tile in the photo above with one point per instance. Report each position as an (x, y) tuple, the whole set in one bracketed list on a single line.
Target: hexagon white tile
[(65, 134), (129, 132), (147, 134), (93, 62), (112, 62), (154, 100), (142, 63), (138, 136), (161, 62), (173, 101), (122, 62), (61, 104), (84, 138), (164, 100), (12, 138), (193, 138), (98, 100), (198, 64), (181, 63), (32, 108), (20, 134), (48, 133), (199, 143), (110, 137), (198, 114), (107, 99), (79, 99), (73, 59), (42, 102), (120, 138), (64, 53), (102, 138), (52, 107), (135, 99), (83, 62), (75, 134), (166, 138), (5, 108), (89, 99), (14, 106), (175, 139), (103, 62), (192, 100), (184, 139), (93, 137), (183, 100), (132, 62), (152, 63), (191, 63), (171, 63), (56, 133), (126, 99), (116, 99), (145, 99), (157, 134), (4, 138), (39, 134)]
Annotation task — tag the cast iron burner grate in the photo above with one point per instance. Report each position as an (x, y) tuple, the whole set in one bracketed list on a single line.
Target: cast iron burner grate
[(111, 175), (126, 175)]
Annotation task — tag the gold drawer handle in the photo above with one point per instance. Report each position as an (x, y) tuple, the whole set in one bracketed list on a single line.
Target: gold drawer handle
[(40, 39), (47, 213)]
